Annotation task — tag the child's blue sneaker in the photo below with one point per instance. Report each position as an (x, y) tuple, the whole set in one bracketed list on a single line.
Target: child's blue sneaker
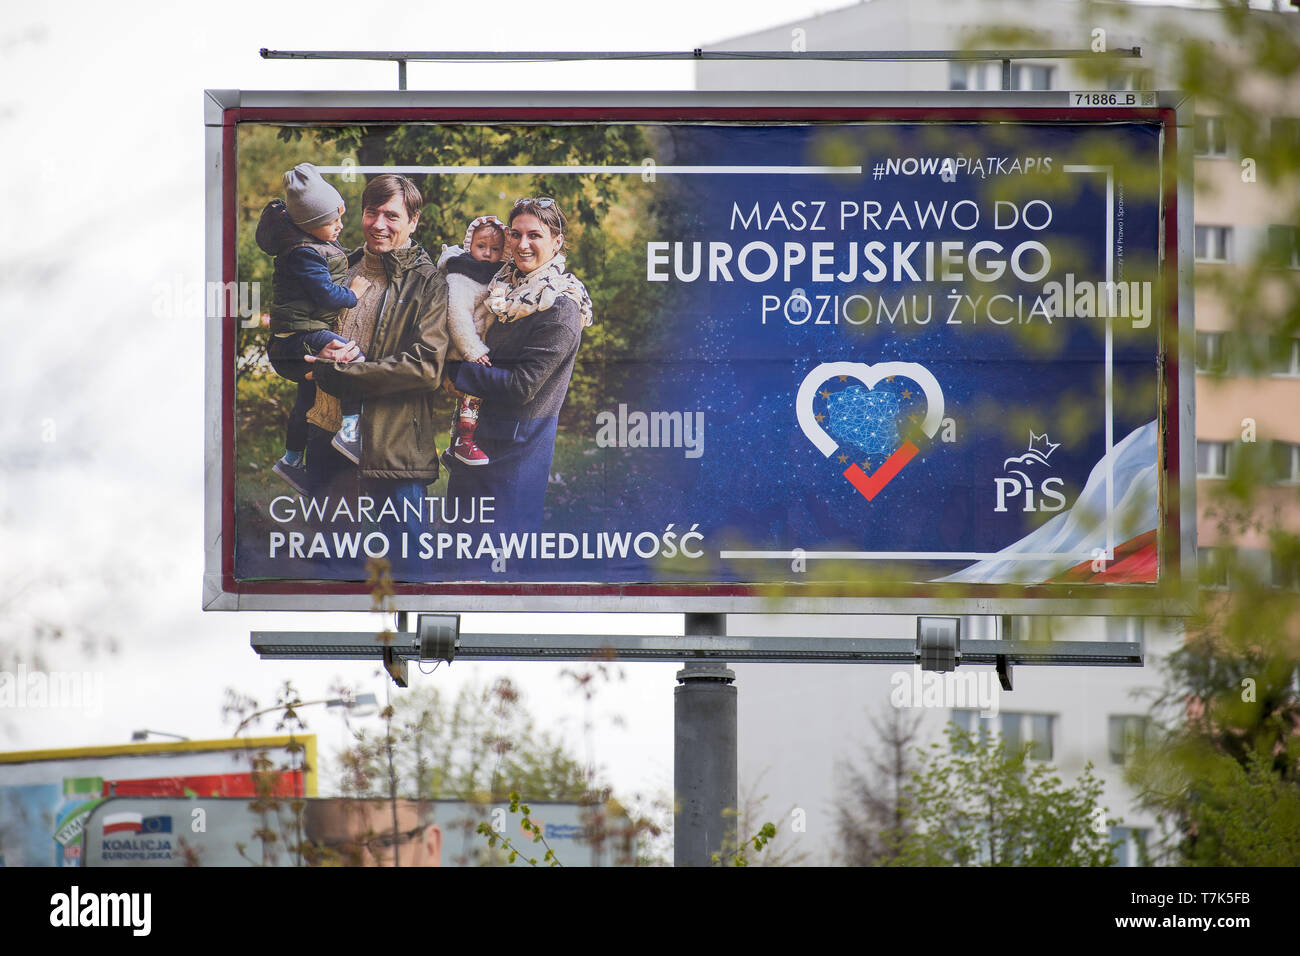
[(293, 472), (348, 439)]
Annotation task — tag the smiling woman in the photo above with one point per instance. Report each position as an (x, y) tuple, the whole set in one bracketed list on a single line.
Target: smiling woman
[(540, 312), (531, 240)]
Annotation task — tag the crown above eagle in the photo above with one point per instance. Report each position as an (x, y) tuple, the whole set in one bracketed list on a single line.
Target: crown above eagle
[(1042, 445)]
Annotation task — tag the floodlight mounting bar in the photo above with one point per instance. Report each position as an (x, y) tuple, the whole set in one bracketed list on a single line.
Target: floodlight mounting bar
[(532, 56), (317, 645)]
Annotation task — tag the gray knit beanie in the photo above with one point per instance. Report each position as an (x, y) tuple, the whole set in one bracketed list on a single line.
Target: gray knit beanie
[(312, 202)]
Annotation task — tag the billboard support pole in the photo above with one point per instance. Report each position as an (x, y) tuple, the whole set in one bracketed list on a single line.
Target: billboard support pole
[(704, 753)]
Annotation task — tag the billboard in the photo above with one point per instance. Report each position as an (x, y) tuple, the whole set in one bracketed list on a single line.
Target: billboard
[(166, 832), (341, 831), (732, 352), (46, 796)]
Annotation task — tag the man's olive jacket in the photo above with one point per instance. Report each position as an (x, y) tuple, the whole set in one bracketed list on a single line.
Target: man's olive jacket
[(399, 379)]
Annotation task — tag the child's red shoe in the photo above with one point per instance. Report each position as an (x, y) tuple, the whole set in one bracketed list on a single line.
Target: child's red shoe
[(465, 451)]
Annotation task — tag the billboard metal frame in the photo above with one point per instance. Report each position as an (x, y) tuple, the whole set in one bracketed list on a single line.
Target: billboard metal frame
[(224, 109), (361, 645), (171, 748)]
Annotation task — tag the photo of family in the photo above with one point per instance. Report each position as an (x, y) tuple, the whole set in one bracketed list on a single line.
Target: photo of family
[(326, 317), (421, 339)]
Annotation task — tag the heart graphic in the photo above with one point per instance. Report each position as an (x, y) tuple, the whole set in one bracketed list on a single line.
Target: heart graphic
[(869, 485)]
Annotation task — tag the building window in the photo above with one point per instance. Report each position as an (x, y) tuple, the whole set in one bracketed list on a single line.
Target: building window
[(1284, 131), (974, 76), (1017, 730), (1213, 243), (1124, 629), (1027, 77), (1213, 459), (1284, 247), (1039, 727), (1286, 462), (1212, 567), (1129, 80), (1211, 137), (1041, 627), (988, 76), (1126, 734), (1284, 355), (1211, 356), (1130, 845), (1285, 571)]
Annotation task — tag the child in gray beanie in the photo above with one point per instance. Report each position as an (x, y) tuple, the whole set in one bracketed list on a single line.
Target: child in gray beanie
[(308, 292)]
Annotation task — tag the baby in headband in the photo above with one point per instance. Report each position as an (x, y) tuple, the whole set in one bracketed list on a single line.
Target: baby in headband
[(469, 270)]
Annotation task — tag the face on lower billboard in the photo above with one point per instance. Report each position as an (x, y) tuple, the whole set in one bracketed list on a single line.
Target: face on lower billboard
[(548, 355)]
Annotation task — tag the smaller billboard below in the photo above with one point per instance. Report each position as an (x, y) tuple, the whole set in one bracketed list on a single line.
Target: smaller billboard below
[(47, 796), (338, 831)]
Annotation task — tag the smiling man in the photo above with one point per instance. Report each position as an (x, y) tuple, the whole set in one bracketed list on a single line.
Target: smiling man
[(399, 324)]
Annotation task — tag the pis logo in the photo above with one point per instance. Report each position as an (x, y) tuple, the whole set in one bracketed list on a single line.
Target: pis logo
[(1017, 483)]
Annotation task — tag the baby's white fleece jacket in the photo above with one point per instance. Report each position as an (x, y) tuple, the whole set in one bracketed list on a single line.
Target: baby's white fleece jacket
[(468, 316)]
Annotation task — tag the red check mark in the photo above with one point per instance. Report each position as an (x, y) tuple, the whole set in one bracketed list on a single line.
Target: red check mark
[(871, 485)]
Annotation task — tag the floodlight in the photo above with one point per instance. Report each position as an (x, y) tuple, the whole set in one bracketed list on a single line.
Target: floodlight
[(938, 643)]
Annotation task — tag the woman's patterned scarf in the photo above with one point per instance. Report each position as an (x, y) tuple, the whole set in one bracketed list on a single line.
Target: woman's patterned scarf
[(513, 294)]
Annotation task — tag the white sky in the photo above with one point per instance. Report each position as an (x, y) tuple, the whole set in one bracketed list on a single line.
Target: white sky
[(101, 438)]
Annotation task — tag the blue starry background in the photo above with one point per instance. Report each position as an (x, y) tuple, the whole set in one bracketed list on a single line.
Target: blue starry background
[(761, 484)]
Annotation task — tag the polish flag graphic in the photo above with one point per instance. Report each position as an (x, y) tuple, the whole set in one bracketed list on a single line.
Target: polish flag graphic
[(123, 823)]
